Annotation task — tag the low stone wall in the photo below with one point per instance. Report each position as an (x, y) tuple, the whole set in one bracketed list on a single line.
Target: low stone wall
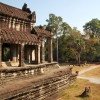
[(45, 88)]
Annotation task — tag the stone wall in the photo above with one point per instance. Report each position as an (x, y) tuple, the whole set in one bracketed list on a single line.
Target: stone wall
[(44, 88)]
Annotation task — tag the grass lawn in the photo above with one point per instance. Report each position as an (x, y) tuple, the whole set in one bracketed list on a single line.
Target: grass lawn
[(77, 88)]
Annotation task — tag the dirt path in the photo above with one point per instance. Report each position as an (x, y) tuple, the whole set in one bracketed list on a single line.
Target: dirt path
[(88, 69), (93, 80)]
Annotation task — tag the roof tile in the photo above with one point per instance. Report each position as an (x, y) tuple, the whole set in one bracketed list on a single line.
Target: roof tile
[(14, 12), (16, 36)]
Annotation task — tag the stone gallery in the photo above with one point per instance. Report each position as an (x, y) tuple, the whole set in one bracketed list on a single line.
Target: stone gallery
[(24, 73)]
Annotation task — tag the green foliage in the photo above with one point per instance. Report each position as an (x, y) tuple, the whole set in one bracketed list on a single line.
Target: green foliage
[(54, 23), (71, 45), (94, 26), (6, 53)]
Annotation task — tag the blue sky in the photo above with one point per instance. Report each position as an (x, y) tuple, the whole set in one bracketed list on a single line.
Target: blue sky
[(74, 12)]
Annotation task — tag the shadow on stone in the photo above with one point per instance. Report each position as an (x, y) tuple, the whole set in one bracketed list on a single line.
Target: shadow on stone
[(86, 93)]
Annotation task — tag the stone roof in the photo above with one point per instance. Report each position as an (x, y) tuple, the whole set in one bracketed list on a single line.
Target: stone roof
[(42, 32), (15, 12), (9, 36)]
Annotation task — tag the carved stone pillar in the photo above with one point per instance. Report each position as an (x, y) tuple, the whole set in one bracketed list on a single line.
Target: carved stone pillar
[(21, 55), (13, 23), (38, 55), (10, 23), (31, 25), (14, 52), (29, 55), (50, 58), (43, 53), (21, 26), (0, 51), (0, 54)]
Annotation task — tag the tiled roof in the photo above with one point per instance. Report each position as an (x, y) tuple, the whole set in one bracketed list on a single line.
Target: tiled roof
[(14, 12), (42, 32), (9, 36)]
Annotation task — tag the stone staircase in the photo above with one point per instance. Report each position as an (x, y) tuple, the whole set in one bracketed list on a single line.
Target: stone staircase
[(6, 64), (14, 64), (9, 64)]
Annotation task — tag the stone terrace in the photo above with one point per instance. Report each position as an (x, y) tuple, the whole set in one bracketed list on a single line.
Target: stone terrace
[(43, 84)]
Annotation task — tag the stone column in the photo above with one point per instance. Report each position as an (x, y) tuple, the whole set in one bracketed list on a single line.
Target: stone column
[(0, 54), (38, 54), (43, 53), (10, 22), (50, 58), (14, 53), (0, 50), (21, 55), (29, 55), (21, 26), (13, 23)]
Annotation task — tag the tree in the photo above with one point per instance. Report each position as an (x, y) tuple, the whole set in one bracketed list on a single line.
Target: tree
[(54, 24), (94, 27), (65, 29), (79, 46)]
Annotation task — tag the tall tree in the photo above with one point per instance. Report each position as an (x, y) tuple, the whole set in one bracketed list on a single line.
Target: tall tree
[(94, 27), (54, 23), (79, 47), (65, 29)]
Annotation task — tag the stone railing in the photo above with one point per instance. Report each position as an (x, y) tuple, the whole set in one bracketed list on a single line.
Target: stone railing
[(21, 72), (8, 74)]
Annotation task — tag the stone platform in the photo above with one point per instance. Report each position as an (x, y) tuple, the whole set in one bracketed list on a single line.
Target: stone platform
[(42, 82)]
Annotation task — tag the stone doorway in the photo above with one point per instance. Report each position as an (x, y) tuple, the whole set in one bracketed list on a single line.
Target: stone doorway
[(6, 52)]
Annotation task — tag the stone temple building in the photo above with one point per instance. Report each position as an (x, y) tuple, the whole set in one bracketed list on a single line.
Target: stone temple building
[(17, 33), (24, 73)]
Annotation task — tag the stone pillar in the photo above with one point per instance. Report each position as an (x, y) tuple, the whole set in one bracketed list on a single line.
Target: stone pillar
[(21, 26), (10, 22), (13, 23), (29, 55), (33, 55), (43, 53), (31, 25), (38, 54), (0, 54), (50, 58), (21, 55), (14, 53), (0, 50)]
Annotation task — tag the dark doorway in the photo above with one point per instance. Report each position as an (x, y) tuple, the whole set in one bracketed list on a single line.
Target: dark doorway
[(6, 52)]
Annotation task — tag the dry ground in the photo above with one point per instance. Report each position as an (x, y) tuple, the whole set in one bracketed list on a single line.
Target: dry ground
[(78, 87), (80, 68), (92, 73)]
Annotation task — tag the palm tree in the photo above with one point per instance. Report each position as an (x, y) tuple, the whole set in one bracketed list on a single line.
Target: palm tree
[(79, 47)]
